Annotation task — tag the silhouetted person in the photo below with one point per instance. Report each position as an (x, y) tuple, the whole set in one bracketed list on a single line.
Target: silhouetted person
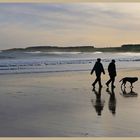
[(98, 68), (112, 100), (112, 73), (98, 104)]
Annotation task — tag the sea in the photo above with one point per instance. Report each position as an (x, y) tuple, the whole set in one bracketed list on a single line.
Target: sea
[(46, 62)]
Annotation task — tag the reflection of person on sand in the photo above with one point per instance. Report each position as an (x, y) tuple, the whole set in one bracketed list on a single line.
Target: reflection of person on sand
[(131, 93), (112, 100), (112, 73), (98, 104), (98, 68)]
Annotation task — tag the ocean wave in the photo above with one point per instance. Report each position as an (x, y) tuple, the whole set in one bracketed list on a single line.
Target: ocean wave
[(35, 52), (62, 62), (129, 54), (97, 52), (38, 52), (62, 52)]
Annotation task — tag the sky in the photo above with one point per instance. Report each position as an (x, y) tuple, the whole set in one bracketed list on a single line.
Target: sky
[(69, 24)]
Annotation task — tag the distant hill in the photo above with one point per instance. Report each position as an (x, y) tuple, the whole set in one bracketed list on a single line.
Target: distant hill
[(54, 48), (131, 47), (123, 48)]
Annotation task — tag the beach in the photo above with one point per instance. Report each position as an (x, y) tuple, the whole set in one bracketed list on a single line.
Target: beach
[(62, 104), (47, 52)]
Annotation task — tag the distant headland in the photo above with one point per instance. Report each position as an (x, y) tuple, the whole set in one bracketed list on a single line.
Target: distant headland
[(123, 48)]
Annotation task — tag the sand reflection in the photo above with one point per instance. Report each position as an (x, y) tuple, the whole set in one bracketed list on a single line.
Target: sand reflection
[(98, 104), (128, 93)]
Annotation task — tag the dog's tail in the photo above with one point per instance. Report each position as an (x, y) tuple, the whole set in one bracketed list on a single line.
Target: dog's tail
[(121, 80)]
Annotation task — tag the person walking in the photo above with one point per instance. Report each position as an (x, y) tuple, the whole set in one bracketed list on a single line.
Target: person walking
[(98, 68), (112, 73)]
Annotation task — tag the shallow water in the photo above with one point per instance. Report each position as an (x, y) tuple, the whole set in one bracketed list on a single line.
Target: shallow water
[(39, 62)]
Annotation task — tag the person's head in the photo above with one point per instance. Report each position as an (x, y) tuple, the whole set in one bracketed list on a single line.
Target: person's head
[(98, 59), (113, 61)]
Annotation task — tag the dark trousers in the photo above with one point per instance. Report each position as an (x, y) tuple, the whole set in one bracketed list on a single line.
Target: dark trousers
[(98, 79), (111, 80)]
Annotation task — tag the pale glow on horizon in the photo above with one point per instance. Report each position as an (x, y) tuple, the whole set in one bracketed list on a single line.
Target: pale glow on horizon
[(69, 24)]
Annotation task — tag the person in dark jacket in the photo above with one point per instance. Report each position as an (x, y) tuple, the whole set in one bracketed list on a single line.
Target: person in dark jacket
[(98, 68), (112, 73)]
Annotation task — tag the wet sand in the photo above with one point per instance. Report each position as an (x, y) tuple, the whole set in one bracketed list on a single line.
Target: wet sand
[(63, 104)]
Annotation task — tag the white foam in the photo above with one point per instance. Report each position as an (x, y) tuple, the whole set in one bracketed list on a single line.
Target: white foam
[(129, 54), (62, 52), (35, 52), (97, 52)]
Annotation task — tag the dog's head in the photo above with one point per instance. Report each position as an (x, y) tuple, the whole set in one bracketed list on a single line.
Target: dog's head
[(136, 78)]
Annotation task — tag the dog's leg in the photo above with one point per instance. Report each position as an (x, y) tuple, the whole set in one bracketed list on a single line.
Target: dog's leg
[(121, 84), (131, 85), (124, 84)]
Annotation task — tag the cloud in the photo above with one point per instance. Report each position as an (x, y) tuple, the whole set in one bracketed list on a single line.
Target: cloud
[(70, 15), (102, 24)]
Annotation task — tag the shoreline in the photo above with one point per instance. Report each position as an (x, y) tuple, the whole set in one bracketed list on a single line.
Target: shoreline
[(67, 71)]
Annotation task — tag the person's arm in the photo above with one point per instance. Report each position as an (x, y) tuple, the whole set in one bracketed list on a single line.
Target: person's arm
[(115, 70), (103, 70), (92, 70), (109, 68)]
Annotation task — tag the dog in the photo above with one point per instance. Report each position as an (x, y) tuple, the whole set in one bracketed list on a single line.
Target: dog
[(131, 80)]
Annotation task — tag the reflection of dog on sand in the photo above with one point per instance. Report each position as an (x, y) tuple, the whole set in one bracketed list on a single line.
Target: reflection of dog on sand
[(131, 80), (131, 93)]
